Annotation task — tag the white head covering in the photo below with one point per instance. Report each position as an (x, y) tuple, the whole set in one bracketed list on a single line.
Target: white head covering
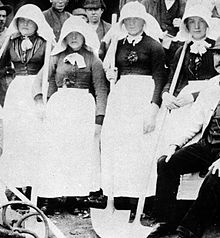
[(136, 9), (197, 10), (118, 31), (33, 13), (77, 24)]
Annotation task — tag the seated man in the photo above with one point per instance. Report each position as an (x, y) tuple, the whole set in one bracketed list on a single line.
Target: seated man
[(200, 156)]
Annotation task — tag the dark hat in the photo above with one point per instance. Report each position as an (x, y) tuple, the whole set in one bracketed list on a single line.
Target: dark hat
[(94, 4), (7, 8), (216, 47), (79, 12)]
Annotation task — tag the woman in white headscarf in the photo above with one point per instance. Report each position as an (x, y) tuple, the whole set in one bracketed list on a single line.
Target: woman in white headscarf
[(197, 67), (25, 52), (133, 104), (73, 117)]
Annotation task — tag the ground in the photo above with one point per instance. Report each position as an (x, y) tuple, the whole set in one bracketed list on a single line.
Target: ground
[(79, 227), (76, 226)]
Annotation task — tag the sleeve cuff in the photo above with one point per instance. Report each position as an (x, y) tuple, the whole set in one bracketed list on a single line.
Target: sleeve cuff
[(99, 119)]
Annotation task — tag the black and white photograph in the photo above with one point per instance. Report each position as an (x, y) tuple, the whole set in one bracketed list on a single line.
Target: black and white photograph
[(110, 119)]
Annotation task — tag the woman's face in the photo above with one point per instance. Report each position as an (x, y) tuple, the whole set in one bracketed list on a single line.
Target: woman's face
[(75, 40), (26, 26), (134, 25), (197, 27)]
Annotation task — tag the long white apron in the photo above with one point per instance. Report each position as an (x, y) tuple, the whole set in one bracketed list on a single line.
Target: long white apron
[(126, 153), (68, 163), (22, 134)]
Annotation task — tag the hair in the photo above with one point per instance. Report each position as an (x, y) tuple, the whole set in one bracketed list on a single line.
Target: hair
[(187, 20)]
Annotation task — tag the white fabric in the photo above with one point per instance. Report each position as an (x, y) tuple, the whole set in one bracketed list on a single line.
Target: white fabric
[(169, 3), (198, 10), (134, 39), (199, 47), (136, 9), (201, 111), (77, 24), (26, 44), (22, 135), (179, 118), (75, 58), (33, 13), (126, 153), (68, 162)]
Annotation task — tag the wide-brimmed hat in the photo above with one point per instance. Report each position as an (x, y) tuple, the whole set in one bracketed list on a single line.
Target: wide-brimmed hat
[(94, 4), (216, 47), (197, 10), (77, 24), (79, 12), (7, 8)]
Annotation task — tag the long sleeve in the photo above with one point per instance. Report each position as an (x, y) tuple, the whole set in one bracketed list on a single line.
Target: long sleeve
[(158, 71), (100, 86), (52, 88)]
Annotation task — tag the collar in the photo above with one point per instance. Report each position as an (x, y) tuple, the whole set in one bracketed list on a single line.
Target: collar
[(133, 39), (199, 46)]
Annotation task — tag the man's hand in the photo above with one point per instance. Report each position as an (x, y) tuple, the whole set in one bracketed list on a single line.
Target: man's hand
[(176, 22), (170, 101), (183, 100), (170, 152), (215, 167), (40, 107), (149, 125)]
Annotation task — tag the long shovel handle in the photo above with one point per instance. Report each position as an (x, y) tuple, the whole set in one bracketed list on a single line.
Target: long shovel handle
[(46, 70), (114, 46), (141, 200), (52, 227)]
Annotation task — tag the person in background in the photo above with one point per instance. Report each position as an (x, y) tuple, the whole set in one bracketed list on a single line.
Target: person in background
[(5, 10), (169, 14), (80, 12), (29, 34), (201, 156), (94, 10), (56, 15)]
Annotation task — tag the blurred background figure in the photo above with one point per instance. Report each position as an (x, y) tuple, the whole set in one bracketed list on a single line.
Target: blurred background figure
[(56, 15), (94, 10), (5, 10), (80, 12)]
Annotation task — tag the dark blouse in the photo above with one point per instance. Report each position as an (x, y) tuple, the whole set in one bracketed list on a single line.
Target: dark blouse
[(195, 67), (25, 63), (147, 57), (92, 76)]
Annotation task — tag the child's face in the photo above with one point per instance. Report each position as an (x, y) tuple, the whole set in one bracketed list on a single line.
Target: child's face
[(59, 5)]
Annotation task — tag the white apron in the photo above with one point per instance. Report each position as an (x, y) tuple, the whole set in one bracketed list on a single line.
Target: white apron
[(22, 134), (68, 161), (126, 153)]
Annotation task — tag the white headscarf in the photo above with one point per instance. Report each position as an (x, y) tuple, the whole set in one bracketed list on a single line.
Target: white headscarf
[(136, 9), (33, 13), (197, 10), (118, 30), (77, 24)]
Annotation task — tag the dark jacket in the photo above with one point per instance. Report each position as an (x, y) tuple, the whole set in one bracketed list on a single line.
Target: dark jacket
[(154, 8), (56, 19)]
